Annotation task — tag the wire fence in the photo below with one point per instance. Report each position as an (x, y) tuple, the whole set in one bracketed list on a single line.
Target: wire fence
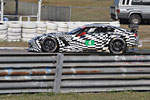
[(60, 13), (90, 14)]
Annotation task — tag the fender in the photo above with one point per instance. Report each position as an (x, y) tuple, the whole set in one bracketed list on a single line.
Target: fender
[(134, 12)]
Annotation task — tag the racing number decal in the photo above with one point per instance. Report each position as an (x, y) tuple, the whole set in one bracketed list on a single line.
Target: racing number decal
[(89, 42)]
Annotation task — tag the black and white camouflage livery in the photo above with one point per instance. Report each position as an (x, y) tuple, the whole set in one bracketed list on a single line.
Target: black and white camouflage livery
[(91, 37)]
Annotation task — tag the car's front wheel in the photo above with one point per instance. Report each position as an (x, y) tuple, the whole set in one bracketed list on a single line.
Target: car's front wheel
[(117, 46), (49, 44)]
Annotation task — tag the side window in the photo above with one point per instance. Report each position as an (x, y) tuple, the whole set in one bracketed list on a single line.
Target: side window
[(101, 30), (123, 2), (128, 2), (81, 31), (146, 2), (92, 30), (110, 29), (105, 29), (136, 2)]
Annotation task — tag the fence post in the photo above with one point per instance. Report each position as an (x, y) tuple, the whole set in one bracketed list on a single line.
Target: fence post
[(58, 73), (70, 15)]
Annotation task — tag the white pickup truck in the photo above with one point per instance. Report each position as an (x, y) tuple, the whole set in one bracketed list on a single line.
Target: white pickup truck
[(132, 11)]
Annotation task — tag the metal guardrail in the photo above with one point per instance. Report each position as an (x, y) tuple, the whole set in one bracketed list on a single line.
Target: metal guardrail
[(73, 72)]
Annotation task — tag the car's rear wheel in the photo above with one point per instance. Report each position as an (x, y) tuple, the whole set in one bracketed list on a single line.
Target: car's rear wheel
[(135, 19), (49, 45), (117, 46)]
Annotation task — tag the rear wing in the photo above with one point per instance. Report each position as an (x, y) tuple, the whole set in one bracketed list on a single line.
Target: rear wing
[(133, 27)]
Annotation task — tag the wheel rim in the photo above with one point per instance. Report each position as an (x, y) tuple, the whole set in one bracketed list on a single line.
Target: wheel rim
[(49, 45), (135, 20), (117, 46)]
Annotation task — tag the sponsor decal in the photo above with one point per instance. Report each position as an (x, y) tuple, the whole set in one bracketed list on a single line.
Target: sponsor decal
[(89, 42)]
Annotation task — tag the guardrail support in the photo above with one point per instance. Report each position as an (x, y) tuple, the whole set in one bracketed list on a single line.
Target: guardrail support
[(58, 73), (2, 10)]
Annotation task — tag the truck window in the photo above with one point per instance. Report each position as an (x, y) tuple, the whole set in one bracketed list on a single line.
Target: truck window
[(123, 2), (136, 2), (128, 2), (116, 2), (146, 2)]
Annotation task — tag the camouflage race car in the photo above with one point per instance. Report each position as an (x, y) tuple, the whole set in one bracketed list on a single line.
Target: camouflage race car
[(91, 37)]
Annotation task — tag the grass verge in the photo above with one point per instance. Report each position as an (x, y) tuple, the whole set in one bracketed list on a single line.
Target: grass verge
[(13, 44), (80, 96)]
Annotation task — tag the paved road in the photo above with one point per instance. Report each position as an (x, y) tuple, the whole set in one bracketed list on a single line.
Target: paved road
[(24, 51)]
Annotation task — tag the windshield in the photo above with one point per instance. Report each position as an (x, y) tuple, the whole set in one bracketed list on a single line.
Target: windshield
[(75, 30), (116, 2)]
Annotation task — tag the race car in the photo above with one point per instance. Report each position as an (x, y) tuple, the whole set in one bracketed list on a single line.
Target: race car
[(88, 38)]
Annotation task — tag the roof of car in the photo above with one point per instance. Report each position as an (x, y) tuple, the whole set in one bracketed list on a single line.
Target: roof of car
[(97, 25)]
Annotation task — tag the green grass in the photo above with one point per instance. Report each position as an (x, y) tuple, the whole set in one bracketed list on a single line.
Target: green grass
[(81, 3), (99, 10), (80, 96), (13, 44)]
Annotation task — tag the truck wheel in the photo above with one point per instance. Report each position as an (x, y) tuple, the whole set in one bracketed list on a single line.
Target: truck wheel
[(49, 45), (117, 46), (135, 19)]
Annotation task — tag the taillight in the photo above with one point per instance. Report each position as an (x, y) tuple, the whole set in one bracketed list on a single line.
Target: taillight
[(135, 34), (118, 11)]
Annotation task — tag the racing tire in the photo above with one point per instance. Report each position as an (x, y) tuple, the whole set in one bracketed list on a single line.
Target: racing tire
[(62, 24), (3, 26), (28, 35), (13, 34), (3, 37), (49, 44), (14, 37), (41, 30), (2, 32), (51, 31), (14, 30), (25, 30), (52, 26), (117, 46), (29, 25), (14, 25), (135, 19), (41, 25), (62, 29)]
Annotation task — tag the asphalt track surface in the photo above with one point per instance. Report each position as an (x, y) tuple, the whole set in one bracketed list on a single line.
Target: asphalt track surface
[(24, 51)]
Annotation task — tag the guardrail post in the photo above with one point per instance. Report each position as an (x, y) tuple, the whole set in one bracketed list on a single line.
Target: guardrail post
[(58, 73)]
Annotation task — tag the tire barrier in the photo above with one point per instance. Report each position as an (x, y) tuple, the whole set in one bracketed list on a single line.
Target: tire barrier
[(14, 31), (25, 31), (72, 26), (62, 27), (73, 72), (3, 31), (51, 27), (41, 28), (29, 30)]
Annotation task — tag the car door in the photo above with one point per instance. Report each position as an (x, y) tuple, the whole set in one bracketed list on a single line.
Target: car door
[(83, 39), (100, 37)]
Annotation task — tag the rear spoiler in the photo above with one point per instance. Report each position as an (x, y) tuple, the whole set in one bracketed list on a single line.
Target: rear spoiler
[(133, 27)]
